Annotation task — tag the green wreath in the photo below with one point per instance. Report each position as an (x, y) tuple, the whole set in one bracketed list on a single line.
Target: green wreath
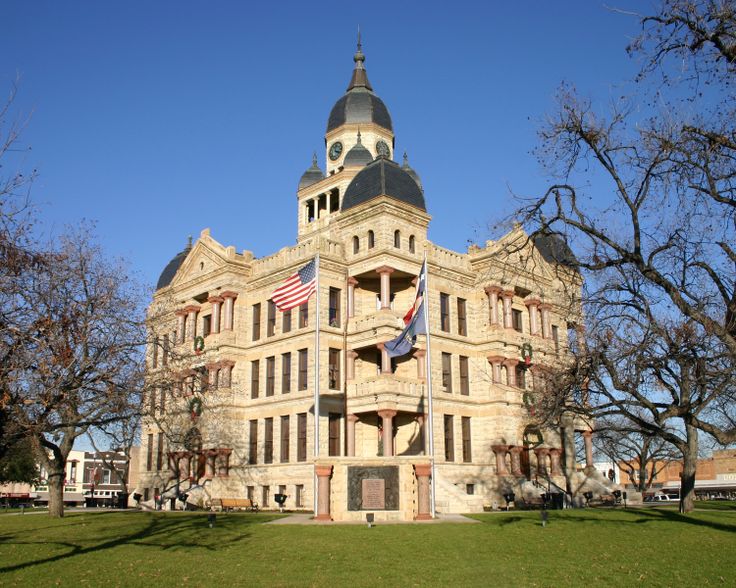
[(198, 344), (526, 353), (195, 407), (533, 438)]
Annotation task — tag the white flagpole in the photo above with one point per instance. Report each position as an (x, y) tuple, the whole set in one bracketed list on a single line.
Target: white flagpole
[(316, 384), (428, 370)]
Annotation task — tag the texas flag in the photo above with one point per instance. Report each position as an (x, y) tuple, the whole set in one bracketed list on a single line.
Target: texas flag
[(413, 319)]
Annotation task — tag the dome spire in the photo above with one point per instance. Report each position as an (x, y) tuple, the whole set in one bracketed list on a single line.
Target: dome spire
[(360, 77)]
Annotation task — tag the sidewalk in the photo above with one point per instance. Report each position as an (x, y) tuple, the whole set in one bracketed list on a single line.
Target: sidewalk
[(306, 519)]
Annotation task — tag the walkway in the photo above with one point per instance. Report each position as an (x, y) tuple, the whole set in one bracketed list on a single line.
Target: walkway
[(301, 518)]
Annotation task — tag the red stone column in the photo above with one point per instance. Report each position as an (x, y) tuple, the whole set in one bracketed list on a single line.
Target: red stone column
[(541, 453), (555, 455), (352, 282), (515, 452), (508, 297), (350, 364), (216, 302), (546, 326), (387, 435), (588, 439), (192, 311), (181, 325), (351, 420), (423, 473), (493, 292), (496, 361), (385, 359), (385, 273), (324, 472), (500, 451), (532, 306), (421, 355), (229, 298), (511, 371)]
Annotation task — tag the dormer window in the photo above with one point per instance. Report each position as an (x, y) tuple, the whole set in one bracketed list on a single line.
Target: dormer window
[(371, 240), (411, 244), (397, 239), (356, 244)]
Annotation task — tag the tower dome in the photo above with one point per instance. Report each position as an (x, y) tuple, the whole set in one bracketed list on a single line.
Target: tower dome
[(383, 177), (358, 155), (312, 175), (173, 266), (359, 104)]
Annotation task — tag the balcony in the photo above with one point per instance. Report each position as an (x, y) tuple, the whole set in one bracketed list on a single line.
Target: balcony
[(387, 391)]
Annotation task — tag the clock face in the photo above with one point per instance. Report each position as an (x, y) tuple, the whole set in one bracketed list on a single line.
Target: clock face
[(335, 150), (382, 149)]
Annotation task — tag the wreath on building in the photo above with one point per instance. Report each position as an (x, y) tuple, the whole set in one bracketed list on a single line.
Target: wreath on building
[(195, 408), (533, 437), (526, 353), (198, 344)]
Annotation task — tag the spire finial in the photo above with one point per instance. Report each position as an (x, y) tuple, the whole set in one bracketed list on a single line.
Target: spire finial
[(406, 159), (360, 45), (189, 242), (314, 159), (359, 141), (360, 78)]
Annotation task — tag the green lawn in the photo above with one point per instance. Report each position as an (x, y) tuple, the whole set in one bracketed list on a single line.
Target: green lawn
[(648, 547)]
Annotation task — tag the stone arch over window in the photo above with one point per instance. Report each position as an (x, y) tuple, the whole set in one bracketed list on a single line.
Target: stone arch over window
[(412, 244), (356, 244), (397, 239), (371, 239)]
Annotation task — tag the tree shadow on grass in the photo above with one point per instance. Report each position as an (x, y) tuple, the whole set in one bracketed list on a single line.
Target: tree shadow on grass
[(161, 531)]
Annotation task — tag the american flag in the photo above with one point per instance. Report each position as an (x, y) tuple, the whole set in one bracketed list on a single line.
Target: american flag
[(297, 288)]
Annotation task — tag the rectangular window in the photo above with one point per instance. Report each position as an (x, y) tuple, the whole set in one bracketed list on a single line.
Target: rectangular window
[(462, 324), (299, 495), (520, 376), (303, 361), (160, 452), (162, 401), (149, 454), (449, 438), (268, 440), (445, 312), (334, 369), (304, 315), (253, 442), (250, 492), (206, 325), (286, 321), (270, 375), (271, 322), (285, 438), (447, 372), (467, 454), (470, 488), (154, 353), (464, 380), (334, 429), (256, 321), (516, 320), (152, 399), (334, 307), (255, 376), (266, 494), (286, 373), (301, 434), (166, 350), (556, 337)]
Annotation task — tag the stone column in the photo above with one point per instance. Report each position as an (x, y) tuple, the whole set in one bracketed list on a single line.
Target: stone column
[(421, 355), (385, 359), (555, 455), (511, 371), (493, 292), (181, 325), (351, 420), (532, 305), (352, 282), (568, 444), (216, 302), (324, 472), (421, 421), (229, 298), (209, 464), (500, 451), (588, 439), (546, 326), (423, 473), (387, 435), (508, 297), (385, 272), (192, 312), (515, 452), (496, 361), (541, 453), (350, 364)]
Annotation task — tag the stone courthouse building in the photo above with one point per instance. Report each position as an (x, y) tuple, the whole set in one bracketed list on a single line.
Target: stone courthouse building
[(233, 378)]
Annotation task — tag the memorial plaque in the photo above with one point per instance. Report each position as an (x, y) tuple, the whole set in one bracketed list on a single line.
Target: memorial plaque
[(374, 494)]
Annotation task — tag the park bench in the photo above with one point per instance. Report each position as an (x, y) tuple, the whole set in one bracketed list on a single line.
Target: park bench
[(533, 503), (228, 504)]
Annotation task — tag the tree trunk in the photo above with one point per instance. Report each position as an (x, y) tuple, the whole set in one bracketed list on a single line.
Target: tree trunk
[(56, 493), (689, 463)]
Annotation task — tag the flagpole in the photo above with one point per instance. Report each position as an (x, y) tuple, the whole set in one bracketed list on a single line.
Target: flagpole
[(428, 370), (316, 384)]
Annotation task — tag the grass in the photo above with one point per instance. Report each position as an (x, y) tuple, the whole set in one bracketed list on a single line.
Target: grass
[(651, 547)]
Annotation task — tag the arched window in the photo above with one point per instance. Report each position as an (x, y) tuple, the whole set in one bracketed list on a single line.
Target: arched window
[(371, 240), (397, 239), (356, 244), (411, 244)]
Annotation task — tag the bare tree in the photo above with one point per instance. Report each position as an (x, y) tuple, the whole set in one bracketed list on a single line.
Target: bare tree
[(656, 250)]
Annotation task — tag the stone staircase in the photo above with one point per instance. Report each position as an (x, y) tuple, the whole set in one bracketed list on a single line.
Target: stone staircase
[(453, 499)]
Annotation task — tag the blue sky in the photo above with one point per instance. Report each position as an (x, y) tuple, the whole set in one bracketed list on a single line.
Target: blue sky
[(159, 119)]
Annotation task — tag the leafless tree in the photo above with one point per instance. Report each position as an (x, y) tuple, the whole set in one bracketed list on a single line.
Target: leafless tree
[(655, 244)]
